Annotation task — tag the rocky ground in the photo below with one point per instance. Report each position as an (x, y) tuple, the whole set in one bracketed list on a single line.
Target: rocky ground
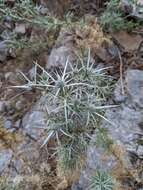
[(22, 117)]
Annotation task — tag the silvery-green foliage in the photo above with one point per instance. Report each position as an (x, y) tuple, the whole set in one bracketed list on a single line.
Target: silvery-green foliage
[(102, 181)]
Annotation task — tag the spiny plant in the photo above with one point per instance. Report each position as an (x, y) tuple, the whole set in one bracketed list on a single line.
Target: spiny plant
[(74, 101), (113, 18), (27, 12), (102, 181)]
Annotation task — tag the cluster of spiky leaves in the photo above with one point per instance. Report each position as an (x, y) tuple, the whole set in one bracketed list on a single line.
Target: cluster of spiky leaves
[(115, 19), (27, 12), (74, 101), (102, 181)]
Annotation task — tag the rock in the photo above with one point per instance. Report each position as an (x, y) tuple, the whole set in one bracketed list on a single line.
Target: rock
[(1, 77), (140, 151), (59, 57), (20, 104), (28, 156), (103, 54), (97, 159), (27, 159), (76, 187), (12, 52), (34, 123), (107, 54), (134, 10), (126, 132), (28, 150), (9, 108), (17, 124), (128, 118), (64, 50), (2, 106), (3, 51), (12, 77), (8, 124), (20, 28), (5, 158), (43, 10), (134, 86), (126, 6)]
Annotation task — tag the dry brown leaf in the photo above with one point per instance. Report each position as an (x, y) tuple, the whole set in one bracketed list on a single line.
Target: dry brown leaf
[(130, 42)]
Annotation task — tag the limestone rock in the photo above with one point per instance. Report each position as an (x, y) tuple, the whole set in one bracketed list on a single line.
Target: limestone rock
[(3, 51), (126, 132), (59, 57), (5, 158), (34, 123), (64, 50)]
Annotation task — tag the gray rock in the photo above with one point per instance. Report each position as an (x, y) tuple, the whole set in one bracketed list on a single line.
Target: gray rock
[(43, 10), (17, 124), (5, 158), (8, 124), (11, 77), (1, 77), (59, 57), (19, 104), (97, 158), (64, 50), (132, 9), (12, 52), (34, 123), (20, 28), (140, 151), (3, 51), (125, 131), (28, 158), (28, 154), (9, 108), (126, 6), (134, 86), (76, 187), (2, 106), (126, 124)]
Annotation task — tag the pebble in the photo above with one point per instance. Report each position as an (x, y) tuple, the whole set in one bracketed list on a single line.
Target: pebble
[(3, 51), (20, 28), (5, 158), (8, 124), (19, 105), (2, 106)]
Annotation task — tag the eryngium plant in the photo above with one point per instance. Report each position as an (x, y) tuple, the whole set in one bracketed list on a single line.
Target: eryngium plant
[(74, 99), (102, 181)]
